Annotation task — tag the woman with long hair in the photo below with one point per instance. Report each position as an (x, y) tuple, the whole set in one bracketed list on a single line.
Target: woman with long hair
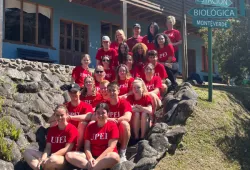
[(100, 142), (166, 56), (141, 107), (80, 72), (109, 73), (89, 93), (124, 80), (149, 39), (140, 55), (119, 38), (134, 71), (61, 139), (174, 35), (123, 51)]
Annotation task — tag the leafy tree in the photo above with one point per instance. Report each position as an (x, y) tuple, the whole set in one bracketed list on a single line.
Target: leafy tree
[(231, 48)]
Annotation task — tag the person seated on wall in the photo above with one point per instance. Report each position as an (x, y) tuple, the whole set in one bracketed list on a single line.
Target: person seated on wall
[(61, 139), (80, 72), (141, 107), (99, 76), (174, 35), (109, 73), (137, 38), (159, 69), (123, 51), (80, 113), (153, 84), (134, 71), (149, 39), (89, 93), (140, 55), (107, 51), (104, 90), (100, 142), (166, 56), (120, 112), (119, 38)]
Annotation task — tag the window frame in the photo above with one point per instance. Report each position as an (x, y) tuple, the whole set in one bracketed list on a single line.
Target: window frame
[(37, 23), (110, 26)]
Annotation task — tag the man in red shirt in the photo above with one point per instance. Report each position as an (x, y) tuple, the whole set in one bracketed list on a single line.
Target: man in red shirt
[(120, 112), (107, 51), (137, 38)]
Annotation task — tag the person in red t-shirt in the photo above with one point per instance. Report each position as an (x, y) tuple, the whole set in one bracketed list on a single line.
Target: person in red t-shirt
[(104, 90), (101, 138), (124, 80), (99, 75), (149, 39), (142, 108), (134, 71), (119, 38), (136, 37), (166, 57), (89, 93), (174, 35), (107, 51), (159, 69), (140, 55), (153, 84), (109, 73), (60, 140), (120, 112), (80, 72), (123, 51)]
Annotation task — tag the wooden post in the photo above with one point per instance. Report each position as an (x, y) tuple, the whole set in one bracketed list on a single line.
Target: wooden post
[(124, 17), (184, 44), (1, 27)]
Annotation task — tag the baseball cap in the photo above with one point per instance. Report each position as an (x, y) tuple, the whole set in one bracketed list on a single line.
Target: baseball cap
[(137, 25), (105, 38), (74, 87)]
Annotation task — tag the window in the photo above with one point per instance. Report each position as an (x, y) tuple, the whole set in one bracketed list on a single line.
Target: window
[(205, 60), (27, 22), (109, 30)]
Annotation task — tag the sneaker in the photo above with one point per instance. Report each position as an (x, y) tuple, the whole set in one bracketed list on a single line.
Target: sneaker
[(123, 158)]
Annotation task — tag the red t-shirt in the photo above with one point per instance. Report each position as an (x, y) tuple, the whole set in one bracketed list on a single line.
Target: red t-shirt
[(166, 52), (114, 45), (100, 136), (132, 41), (119, 109), (110, 75), (155, 82), (144, 101), (175, 36), (80, 109), (136, 72), (92, 100), (59, 138), (125, 85), (79, 75), (97, 86), (160, 71), (112, 56), (150, 45)]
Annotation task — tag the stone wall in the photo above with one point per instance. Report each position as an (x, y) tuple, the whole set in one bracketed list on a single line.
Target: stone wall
[(29, 91)]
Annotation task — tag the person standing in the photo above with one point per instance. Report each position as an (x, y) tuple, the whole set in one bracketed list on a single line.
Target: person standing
[(119, 38), (137, 38), (149, 39), (174, 35)]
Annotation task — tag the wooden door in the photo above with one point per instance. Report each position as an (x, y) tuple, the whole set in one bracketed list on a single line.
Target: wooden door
[(73, 42), (191, 61)]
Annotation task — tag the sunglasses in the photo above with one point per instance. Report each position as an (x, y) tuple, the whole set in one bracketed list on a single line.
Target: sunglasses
[(105, 60), (99, 72)]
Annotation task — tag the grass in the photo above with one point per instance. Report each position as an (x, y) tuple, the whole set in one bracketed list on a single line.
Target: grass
[(218, 133)]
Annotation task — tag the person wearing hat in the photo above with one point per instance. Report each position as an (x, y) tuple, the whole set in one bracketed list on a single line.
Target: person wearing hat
[(107, 51), (137, 38), (80, 113)]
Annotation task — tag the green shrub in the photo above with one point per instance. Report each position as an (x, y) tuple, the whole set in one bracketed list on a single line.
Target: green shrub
[(7, 130)]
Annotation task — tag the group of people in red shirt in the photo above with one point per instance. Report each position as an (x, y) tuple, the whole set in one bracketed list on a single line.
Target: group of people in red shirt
[(112, 104)]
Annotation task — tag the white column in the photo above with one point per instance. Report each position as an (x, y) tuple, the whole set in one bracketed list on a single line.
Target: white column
[(124, 17)]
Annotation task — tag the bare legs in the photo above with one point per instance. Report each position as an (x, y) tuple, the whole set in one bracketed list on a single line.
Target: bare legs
[(124, 131), (140, 121), (81, 129)]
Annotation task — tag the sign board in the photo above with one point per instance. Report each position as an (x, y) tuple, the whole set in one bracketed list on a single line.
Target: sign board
[(210, 23), (219, 3), (213, 12)]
